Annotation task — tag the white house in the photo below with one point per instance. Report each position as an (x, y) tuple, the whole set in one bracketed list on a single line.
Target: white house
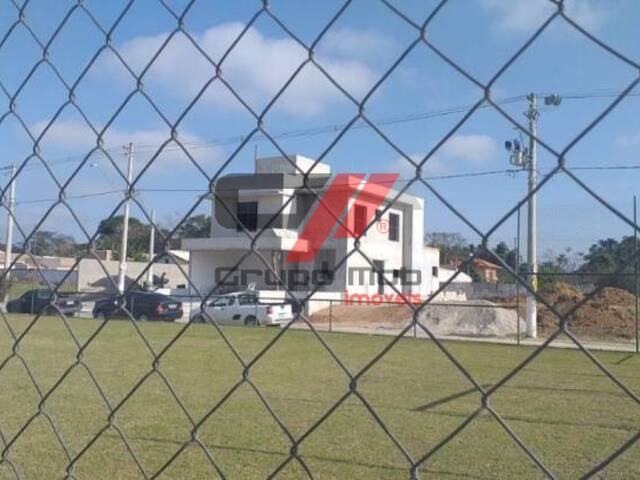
[(304, 245), (431, 262)]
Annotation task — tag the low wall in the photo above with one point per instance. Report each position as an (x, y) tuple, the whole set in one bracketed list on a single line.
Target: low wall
[(92, 277), (39, 278), (477, 291)]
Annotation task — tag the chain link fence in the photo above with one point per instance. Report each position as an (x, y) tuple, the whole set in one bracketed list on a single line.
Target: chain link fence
[(43, 416)]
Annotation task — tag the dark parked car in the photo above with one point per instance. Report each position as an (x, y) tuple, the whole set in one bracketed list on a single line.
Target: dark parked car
[(141, 305), (39, 301)]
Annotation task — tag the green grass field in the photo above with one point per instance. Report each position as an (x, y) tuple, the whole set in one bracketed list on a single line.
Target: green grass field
[(570, 415)]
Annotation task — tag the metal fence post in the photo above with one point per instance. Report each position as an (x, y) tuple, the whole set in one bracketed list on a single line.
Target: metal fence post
[(516, 279), (635, 269)]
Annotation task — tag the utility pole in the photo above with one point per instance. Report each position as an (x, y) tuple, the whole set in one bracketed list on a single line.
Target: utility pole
[(125, 222), (527, 158), (152, 243), (8, 249), (532, 220)]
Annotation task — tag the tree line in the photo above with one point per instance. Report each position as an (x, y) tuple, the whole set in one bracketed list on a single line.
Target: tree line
[(50, 243), (608, 262)]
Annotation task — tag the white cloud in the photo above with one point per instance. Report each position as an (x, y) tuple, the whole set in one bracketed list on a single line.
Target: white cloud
[(474, 149), (257, 67), (587, 13), (626, 141), (349, 42), (74, 136), (527, 15), (432, 167), (463, 150)]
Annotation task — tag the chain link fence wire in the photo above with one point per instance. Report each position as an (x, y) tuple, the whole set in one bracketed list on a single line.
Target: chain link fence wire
[(420, 31)]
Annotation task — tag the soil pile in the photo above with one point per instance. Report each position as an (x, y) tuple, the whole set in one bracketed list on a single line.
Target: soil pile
[(611, 312)]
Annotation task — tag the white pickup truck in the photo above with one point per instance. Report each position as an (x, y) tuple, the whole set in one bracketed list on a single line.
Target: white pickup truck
[(244, 308)]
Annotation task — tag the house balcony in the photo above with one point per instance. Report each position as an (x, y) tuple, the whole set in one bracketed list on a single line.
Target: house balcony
[(270, 239)]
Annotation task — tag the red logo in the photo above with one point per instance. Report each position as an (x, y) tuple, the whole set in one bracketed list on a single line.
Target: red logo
[(382, 226), (331, 209)]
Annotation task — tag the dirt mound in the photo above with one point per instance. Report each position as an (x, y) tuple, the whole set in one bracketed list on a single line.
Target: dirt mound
[(563, 292), (479, 318), (364, 315), (615, 296), (611, 312), (455, 318)]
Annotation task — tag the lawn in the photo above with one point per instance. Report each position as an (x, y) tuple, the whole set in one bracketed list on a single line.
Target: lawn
[(561, 406)]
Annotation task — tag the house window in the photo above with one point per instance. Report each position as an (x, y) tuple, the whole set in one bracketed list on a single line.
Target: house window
[(360, 219), (247, 216), (434, 272), (394, 227), (325, 263)]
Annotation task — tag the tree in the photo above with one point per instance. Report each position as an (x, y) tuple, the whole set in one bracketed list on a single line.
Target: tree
[(608, 256), (110, 237), (45, 242), (453, 246), (508, 256), (454, 249), (196, 226)]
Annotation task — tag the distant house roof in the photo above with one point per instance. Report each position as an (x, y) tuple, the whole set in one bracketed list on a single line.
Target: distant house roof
[(181, 254), (446, 273), (485, 265)]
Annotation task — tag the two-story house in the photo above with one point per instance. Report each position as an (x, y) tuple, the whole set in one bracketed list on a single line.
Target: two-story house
[(298, 236)]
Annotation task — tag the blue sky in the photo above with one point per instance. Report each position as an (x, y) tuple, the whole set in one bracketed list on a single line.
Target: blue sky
[(363, 44)]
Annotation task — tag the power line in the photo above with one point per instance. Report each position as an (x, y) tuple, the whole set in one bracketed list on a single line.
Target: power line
[(203, 190), (329, 128), (68, 197), (314, 131), (606, 167), (454, 176), (60, 160)]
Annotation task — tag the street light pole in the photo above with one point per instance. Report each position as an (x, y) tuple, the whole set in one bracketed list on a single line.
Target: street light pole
[(8, 249), (152, 242), (532, 247), (125, 223)]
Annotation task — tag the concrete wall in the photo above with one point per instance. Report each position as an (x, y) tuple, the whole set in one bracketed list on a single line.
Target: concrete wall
[(92, 278), (52, 276), (475, 291)]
